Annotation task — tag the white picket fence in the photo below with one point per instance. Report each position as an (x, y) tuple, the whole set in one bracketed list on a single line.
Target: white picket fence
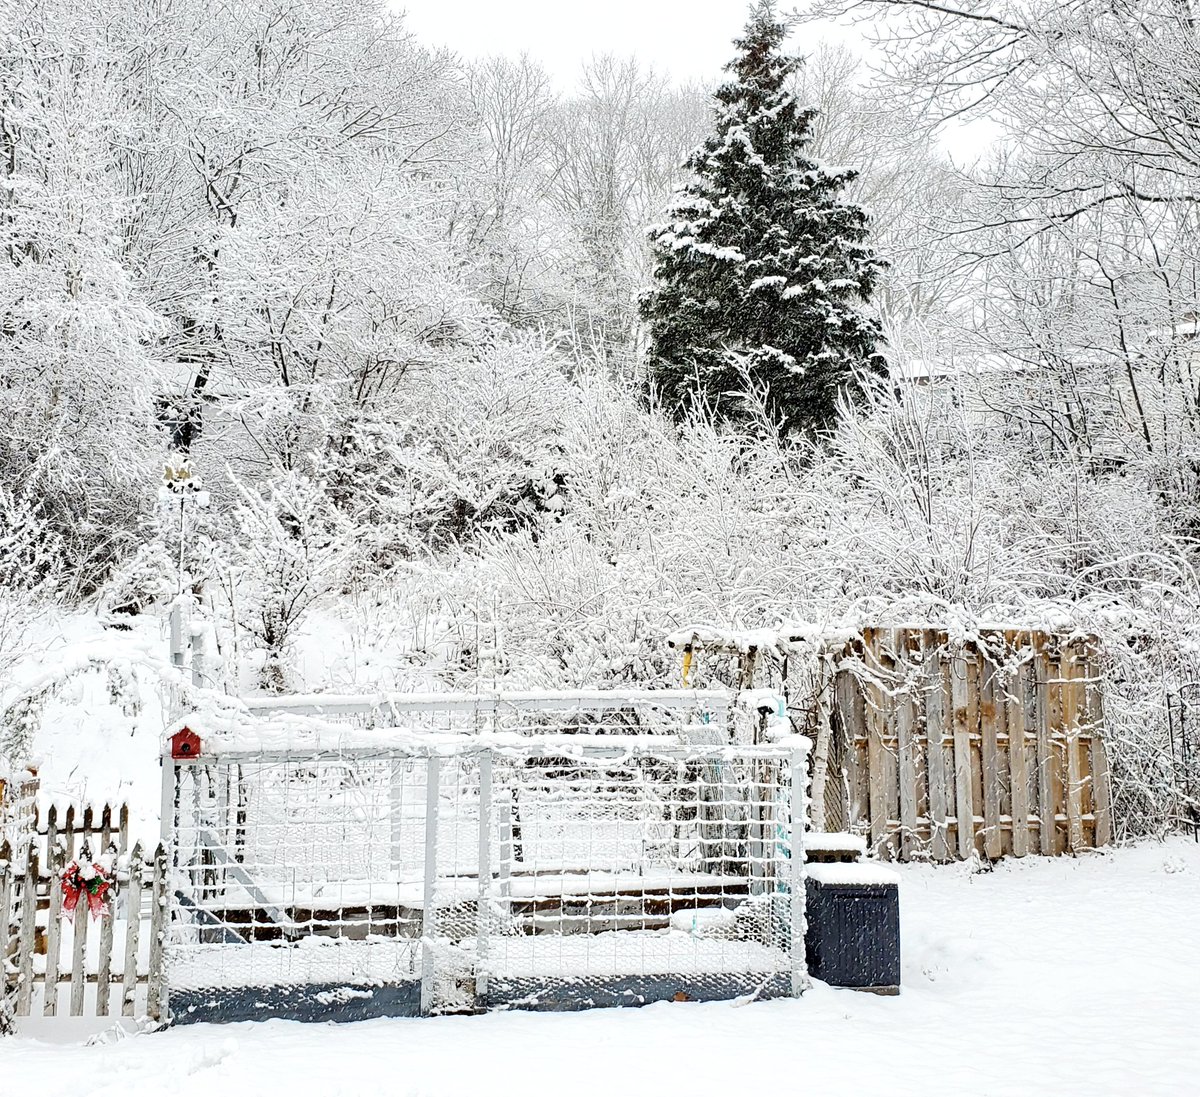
[(57, 965)]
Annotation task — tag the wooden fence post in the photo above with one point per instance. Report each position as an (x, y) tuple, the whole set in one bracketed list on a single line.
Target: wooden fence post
[(907, 770)]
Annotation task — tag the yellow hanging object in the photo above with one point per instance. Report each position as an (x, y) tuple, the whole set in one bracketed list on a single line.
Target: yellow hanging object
[(687, 666)]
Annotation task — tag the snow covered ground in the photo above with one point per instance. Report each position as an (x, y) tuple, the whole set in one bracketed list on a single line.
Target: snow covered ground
[(1042, 977)]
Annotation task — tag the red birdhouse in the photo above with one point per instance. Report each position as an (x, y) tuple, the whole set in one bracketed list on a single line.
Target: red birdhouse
[(185, 743)]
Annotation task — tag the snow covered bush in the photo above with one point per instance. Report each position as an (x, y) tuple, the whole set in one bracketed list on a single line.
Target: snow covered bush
[(291, 547), (417, 474)]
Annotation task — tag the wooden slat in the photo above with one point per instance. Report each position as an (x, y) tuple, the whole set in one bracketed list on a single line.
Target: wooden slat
[(1074, 778), (1101, 781), (51, 831), (964, 808), (850, 708), (1058, 747), (7, 873), (1101, 792), (156, 993), (69, 831), (876, 792), (1018, 768), (123, 831), (935, 728), (54, 918), (133, 916), (25, 935), (989, 710), (824, 732), (79, 923), (1047, 809), (1020, 749), (104, 959), (907, 766), (974, 677)]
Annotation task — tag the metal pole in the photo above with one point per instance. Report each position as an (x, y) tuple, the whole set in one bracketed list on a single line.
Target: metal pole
[(485, 875), (796, 886), (177, 652), (428, 915), (177, 655)]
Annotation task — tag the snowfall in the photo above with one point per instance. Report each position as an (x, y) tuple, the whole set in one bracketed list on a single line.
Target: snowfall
[(1067, 976)]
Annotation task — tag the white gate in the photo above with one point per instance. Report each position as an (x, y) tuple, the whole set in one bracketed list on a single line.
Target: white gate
[(549, 852)]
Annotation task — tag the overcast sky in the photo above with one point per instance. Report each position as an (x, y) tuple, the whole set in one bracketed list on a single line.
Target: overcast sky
[(690, 39)]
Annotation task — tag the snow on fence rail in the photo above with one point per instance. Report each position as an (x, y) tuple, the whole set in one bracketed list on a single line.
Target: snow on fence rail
[(570, 850), (496, 711)]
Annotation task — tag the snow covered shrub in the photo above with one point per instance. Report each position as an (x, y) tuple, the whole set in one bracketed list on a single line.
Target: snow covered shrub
[(144, 581), (31, 554), (31, 564), (658, 526), (290, 548), (469, 448)]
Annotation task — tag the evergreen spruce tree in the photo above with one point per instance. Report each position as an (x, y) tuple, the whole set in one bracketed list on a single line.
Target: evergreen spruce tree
[(761, 273)]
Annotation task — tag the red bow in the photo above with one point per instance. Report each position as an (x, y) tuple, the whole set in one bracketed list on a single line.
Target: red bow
[(75, 887)]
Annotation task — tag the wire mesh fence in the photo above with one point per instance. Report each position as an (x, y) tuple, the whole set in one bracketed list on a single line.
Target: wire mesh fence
[(583, 861)]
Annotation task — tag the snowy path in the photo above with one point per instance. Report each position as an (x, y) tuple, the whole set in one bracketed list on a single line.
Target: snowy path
[(1067, 977)]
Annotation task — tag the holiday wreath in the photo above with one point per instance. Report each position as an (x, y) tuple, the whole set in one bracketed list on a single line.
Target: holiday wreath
[(92, 881)]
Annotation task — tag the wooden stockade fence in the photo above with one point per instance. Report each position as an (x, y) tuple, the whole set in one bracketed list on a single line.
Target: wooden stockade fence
[(108, 966), (1003, 731)]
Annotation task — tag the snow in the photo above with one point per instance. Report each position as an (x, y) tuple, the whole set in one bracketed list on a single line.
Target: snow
[(549, 956), (863, 872), (549, 884), (1069, 976), (705, 921), (835, 841), (226, 731), (488, 700), (92, 747)]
